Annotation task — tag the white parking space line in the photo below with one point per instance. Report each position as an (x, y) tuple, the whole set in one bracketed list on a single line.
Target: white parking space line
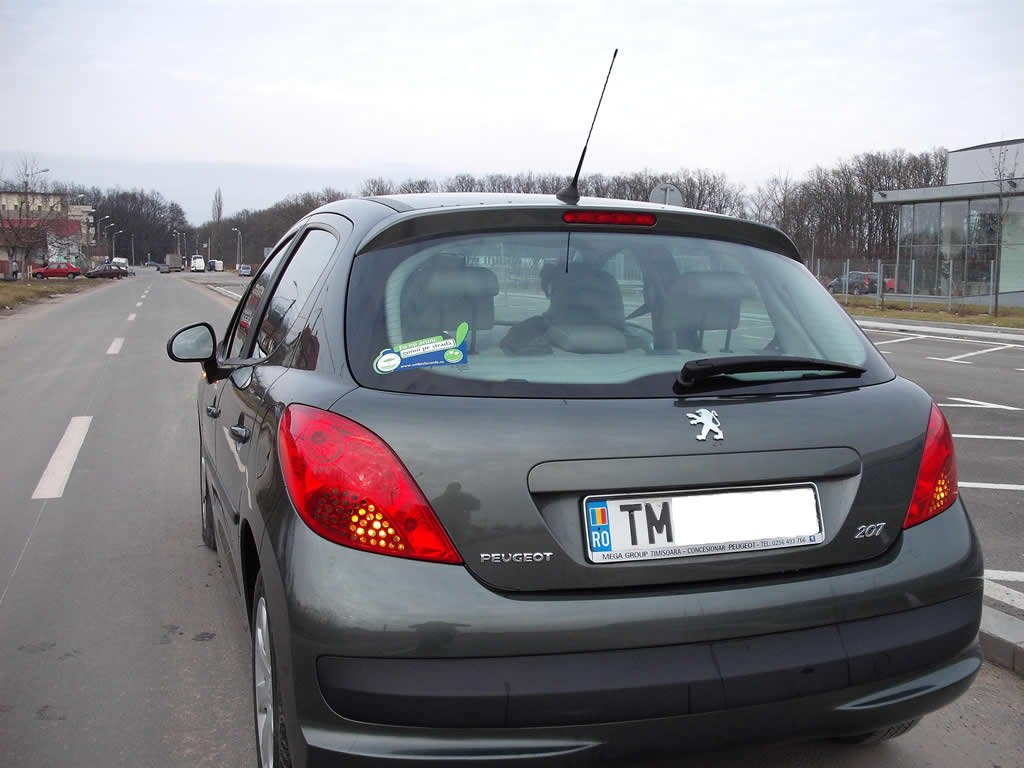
[(993, 486), (1004, 594), (897, 341), (986, 437), (965, 403), (1005, 575), (931, 337), (960, 358), (55, 476), (131, 317), (115, 346)]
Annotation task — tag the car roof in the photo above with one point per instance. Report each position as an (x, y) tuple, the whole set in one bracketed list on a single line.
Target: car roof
[(429, 200)]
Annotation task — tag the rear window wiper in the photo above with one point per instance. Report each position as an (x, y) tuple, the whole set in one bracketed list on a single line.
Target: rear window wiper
[(695, 372)]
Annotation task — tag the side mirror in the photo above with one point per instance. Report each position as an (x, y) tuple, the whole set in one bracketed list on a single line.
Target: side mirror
[(197, 344)]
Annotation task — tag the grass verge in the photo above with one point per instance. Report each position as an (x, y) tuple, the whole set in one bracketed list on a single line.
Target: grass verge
[(14, 293), (970, 314)]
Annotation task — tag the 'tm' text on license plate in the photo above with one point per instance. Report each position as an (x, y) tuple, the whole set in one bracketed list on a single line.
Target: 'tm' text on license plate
[(690, 524)]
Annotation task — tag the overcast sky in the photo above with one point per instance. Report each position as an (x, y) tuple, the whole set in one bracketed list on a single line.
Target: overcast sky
[(265, 99)]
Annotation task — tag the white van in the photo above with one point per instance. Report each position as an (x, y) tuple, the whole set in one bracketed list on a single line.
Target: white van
[(198, 265)]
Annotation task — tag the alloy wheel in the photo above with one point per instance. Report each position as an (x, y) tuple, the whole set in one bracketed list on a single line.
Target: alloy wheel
[(263, 681)]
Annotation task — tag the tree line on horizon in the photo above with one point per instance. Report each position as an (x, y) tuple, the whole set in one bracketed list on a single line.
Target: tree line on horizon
[(828, 213)]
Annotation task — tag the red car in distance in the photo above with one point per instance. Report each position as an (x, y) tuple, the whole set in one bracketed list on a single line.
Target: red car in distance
[(70, 271)]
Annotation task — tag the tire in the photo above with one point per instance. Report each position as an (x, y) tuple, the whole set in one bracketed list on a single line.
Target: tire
[(205, 506), (72, 276), (857, 290), (267, 710), (882, 734)]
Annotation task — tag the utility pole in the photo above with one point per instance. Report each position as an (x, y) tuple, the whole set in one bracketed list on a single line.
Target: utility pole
[(133, 249)]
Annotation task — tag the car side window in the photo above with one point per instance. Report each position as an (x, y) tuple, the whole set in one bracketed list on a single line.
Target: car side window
[(293, 289), (259, 285)]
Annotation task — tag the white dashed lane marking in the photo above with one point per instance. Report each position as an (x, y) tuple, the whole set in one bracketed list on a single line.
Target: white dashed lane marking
[(115, 346), (138, 304), (131, 317), (55, 476)]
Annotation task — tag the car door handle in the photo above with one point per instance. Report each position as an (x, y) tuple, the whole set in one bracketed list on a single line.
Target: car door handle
[(240, 434), (212, 411)]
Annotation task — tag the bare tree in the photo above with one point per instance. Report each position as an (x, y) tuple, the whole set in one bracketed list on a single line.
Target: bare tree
[(377, 186), (1005, 167), (26, 220), (218, 214)]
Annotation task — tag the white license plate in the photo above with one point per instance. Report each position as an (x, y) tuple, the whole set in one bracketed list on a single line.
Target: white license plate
[(646, 527)]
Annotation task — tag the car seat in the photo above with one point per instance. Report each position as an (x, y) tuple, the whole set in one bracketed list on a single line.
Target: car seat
[(445, 292), (705, 301), (586, 313)]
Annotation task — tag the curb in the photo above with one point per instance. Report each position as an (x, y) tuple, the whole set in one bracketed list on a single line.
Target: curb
[(1008, 336), (1002, 639)]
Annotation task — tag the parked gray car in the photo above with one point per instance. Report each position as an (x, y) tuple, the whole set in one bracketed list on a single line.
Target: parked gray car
[(499, 477)]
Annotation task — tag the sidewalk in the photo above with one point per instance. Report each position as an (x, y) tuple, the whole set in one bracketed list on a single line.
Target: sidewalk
[(1008, 335)]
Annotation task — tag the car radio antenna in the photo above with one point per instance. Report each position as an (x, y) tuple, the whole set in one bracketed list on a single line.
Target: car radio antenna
[(571, 194)]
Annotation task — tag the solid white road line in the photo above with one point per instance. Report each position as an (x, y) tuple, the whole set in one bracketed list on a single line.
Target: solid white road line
[(960, 358), (1005, 575), (131, 317), (986, 437), (55, 476), (1004, 594), (993, 486), (896, 341), (965, 403), (115, 346)]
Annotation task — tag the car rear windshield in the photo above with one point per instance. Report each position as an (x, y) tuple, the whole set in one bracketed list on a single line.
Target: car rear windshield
[(588, 314)]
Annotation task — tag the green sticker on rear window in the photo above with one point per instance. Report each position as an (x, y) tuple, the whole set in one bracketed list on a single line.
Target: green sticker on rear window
[(443, 349)]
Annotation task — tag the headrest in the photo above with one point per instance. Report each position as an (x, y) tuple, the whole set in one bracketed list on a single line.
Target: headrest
[(461, 281)]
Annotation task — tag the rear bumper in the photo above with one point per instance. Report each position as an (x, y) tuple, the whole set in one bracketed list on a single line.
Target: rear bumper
[(847, 711), (640, 683), (399, 660)]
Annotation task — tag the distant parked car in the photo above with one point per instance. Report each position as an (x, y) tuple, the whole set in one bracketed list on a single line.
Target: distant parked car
[(860, 283), (108, 271), (70, 271), (245, 270)]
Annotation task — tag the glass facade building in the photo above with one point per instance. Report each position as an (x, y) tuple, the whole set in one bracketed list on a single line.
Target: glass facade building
[(965, 238), (962, 237)]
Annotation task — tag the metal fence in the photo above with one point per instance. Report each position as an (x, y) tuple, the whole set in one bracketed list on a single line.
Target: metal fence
[(950, 281)]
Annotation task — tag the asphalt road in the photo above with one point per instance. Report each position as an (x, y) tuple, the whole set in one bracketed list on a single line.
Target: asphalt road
[(123, 643)]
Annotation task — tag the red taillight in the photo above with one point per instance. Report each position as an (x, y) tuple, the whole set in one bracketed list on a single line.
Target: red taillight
[(618, 218), (936, 487), (350, 487)]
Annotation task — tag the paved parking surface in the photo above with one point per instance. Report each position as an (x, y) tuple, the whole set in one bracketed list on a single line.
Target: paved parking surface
[(980, 387)]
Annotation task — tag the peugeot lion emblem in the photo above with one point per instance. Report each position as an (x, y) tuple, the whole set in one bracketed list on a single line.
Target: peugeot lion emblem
[(708, 420)]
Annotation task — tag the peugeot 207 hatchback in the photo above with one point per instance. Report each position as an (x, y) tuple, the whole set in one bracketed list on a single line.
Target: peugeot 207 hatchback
[(500, 477)]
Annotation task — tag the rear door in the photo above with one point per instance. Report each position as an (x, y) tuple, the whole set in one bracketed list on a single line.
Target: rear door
[(557, 419), (282, 291)]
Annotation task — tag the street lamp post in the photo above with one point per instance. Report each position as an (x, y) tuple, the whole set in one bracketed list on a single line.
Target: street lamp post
[(113, 254), (98, 222), (133, 249), (238, 251)]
